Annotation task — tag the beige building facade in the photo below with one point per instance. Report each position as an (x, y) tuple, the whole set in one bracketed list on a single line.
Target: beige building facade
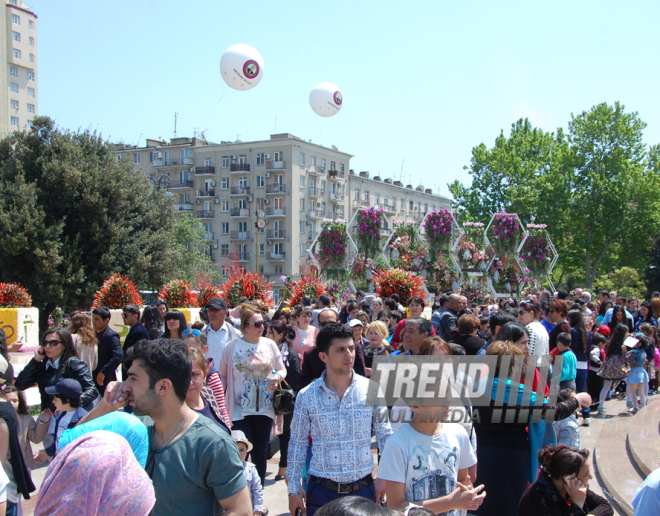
[(287, 182), (19, 75)]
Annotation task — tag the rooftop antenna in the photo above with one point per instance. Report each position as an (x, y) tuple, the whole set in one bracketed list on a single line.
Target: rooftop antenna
[(401, 173), (138, 142), (175, 117)]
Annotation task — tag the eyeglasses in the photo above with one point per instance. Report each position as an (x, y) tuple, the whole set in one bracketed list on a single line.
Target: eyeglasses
[(50, 343), (257, 324), (188, 331)]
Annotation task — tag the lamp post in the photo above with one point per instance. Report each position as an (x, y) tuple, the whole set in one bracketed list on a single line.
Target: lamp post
[(163, 183)]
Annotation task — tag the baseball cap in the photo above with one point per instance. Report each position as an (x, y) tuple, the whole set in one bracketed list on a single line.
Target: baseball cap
[(239, 437), (217, 303), (66, 387), (604, 330), (355, 322)]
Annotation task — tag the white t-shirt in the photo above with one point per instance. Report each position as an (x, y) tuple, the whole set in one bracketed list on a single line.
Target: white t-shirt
[(427, 465), (303, 334), (252, 364), (4, 483)]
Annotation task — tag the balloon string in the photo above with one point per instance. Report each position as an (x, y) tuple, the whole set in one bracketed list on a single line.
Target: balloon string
[(223, 95)]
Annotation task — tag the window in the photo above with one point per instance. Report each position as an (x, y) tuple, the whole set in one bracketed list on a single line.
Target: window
[(357, 194), (17, 53), (376, 199), (332, 165), (410, 205), (14, 120), (302, 226), (224, 183), (224, 206), (13, 70), (302, 249), (136, 158), (31, 58), (31, 41), (14, 104), (13, 2), (302, 204), (322, 186), (16, 36), (184, 153), (31, 24), (31, 108), (224, 250), (403, 204), (426, 208), (322, 163), (208, 162), (153, 156), (225, 161), (312, 160), (302, 156), (262, 249), (278, 271), (14, 87), (260, 181), (302, 181), (261, 160), (15, 18), (242, 159), (225, 270), (243, 182), (385, 200), (224, 228), (30, 92), (366, 196), (341, 167)]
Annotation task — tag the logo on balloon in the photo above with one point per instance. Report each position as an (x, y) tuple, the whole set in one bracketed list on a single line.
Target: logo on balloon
[(251, 69), (338, 98)]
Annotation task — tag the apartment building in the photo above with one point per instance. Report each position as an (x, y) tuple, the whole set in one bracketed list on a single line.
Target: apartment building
[(19, 75), (289, 183)]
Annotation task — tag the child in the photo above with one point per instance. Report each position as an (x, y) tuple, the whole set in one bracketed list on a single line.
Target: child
[(251, 475), (377, 335), (638, 377), (568, 430), (27, 428), (651, 333), (596, 359), (66, 398), (430, 457), (569, 367)]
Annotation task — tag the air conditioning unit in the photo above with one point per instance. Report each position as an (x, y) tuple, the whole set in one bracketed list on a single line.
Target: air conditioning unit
[(266, 201), (268, 242), (267, 221), (212, 184), (267, 175), (215, 246), (267, 156), (198, 201), (250, 198), (216, 200), (233, 156)]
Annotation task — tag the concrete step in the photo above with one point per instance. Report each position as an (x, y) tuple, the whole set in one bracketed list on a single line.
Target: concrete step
[(644, 438)]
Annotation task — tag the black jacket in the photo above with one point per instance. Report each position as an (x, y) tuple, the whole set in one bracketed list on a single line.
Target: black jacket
[(543, 499), (292, 364), (137, 333), (110, 356), (16, 462), (37, 373)]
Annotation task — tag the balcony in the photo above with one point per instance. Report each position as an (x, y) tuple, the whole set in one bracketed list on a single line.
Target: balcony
[(243, 257), (361, 204), (276, 212), (389, 209), (276, 188), (205, 193), (239, 167), (316, 192), (205, 214), (205, 171), (276, 257), (313, 170), (239, 212), (239, 190), (239, 235), (186, 183), (186, 206), (316, 214), (336, 197), (336, 175), (209, 235), (173, 162), (276, 234), (275, 165)]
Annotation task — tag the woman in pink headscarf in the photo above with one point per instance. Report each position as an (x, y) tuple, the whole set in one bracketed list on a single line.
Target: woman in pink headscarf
[(97, 474)]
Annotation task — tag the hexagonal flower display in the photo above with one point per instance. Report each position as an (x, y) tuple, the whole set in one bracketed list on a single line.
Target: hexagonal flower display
[(506, 233), (538, 254), (473, 248), (505, 277)]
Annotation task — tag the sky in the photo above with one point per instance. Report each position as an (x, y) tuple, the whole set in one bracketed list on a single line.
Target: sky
[(423, 82)]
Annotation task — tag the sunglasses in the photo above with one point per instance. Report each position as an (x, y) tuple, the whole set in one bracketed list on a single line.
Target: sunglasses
[(258, 324), (188, 331), (50, 343), (126, 314)]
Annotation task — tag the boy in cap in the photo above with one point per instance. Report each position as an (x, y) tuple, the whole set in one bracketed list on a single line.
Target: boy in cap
[(251, 475), (66, 398)]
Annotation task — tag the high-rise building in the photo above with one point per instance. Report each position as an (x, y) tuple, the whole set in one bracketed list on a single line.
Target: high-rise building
[(292, 183), (19, 75)]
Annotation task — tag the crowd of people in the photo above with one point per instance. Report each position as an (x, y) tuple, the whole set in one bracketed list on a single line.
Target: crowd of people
[(209, 395)]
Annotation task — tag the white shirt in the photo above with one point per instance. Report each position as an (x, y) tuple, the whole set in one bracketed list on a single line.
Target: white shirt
[(54, 365), (4, 483), (216, 341)]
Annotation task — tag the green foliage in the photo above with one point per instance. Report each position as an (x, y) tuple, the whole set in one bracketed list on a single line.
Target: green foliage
[(71, 216), (625, 281), (191, 258)]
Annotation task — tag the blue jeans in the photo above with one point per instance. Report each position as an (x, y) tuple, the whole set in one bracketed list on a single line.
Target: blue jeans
[(12, 509), (318, 496), (581, 386)]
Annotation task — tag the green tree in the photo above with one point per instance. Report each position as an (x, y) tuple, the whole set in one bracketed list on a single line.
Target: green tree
[(71, 216), (625, 281), (191, 259)]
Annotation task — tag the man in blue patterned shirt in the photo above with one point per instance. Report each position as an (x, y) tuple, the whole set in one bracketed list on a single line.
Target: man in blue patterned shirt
[(333, 411)]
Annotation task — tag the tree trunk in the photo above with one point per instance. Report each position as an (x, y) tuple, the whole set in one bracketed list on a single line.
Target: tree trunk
[(43, 317)]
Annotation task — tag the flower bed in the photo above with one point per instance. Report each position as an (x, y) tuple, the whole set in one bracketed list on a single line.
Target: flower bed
[(536, 254), (178, 294), (505, 233), (249, 284), (368, 228), (398, 281)]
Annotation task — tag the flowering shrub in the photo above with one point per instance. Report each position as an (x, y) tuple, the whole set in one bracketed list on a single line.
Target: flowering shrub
[(368, 231), (536, 255), (309, 285), (505, 275), (206, 293), (398, 281), (249, 284), (438, 226), (178, 294), (117, 292), (505, 233), (13, 295), (472, 254), (332, 243)]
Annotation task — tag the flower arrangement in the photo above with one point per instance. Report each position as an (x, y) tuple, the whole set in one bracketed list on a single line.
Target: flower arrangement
[(532, 290), (368, 231), (206, 293), (13, 295), (441, 275), (537, 254), (332, 246), (475, 289), (178, 294), (117, 292), (505, 275), (472, 254), (249, 284), (406, 250), (309, 285), (438, 226), (398, 281), (505, 233)]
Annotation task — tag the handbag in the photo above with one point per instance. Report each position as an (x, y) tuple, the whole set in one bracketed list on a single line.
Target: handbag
[(284, 399)]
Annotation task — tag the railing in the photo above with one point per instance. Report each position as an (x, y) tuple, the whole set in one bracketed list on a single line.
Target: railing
[(275, 188), (186, 206), (316, 192), (186, 183), (239, 212), (239, 190), (275, 233), (276, 212), (239, 167), (204, 170), (243, 257), (173, 162), (336, 174), (276, 256), (205, 214), (357, 202), (275, 165), (206, 193), (336, 196), (239, 235), (209, 235), (313, 169)]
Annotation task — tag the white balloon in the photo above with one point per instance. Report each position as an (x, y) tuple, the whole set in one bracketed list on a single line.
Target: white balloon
[(326, 99), (241, 67)]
